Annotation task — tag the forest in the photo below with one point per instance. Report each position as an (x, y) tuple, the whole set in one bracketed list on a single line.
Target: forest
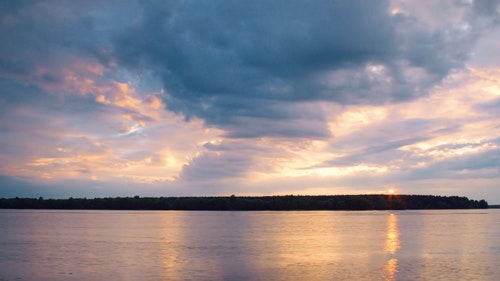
[(248, 203)]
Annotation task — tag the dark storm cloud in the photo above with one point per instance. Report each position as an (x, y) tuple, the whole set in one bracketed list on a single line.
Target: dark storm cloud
[(247, 67), (216, 166), (220, 60), (48, 34), (489, 10)]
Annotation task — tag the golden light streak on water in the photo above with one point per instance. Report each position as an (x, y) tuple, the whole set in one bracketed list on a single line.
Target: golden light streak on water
[(392, 245)]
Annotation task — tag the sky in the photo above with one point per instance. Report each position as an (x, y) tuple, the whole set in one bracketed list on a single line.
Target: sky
[(207, 98)]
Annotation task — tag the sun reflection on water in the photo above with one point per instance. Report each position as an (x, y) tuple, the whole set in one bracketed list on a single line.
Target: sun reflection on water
[(392, 245)]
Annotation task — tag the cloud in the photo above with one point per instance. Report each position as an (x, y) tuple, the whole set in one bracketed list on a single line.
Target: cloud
[(225, 62), (209, 166), (253, 68), (221, 97), (89, 125)]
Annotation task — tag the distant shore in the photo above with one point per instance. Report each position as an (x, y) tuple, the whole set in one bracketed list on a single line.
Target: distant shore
[(249, 203)]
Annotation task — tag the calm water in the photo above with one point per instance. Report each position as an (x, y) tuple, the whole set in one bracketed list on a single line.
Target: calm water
[(123, 245)]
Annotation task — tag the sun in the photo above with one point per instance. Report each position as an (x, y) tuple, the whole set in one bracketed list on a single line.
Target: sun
[(392, 191)]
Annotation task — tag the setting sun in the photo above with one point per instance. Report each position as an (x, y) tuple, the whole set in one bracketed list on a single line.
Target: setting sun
[(392, 191)]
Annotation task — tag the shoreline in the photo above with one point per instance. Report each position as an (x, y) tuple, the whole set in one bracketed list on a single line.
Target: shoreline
[(253, 203)]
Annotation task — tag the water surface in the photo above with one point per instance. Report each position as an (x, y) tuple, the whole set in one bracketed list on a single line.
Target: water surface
[(307, 245)]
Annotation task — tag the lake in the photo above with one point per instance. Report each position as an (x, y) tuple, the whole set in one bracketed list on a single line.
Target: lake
[(256, 245)]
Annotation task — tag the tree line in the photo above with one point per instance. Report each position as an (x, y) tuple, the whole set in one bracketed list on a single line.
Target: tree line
[(247, 203)]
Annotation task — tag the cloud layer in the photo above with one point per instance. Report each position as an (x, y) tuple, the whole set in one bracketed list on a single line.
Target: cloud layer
[(252, 97), (234, 64)]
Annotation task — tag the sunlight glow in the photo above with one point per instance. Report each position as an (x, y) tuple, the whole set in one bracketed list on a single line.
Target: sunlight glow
[(356, 118), (392, 245)]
